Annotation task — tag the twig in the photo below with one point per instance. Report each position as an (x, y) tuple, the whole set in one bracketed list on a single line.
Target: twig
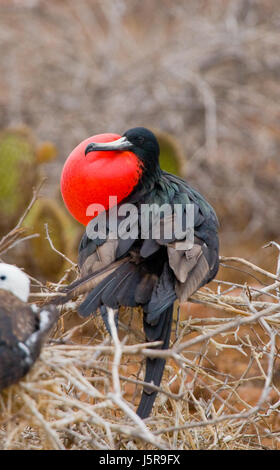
[(237, 416), (250, 265), (54, 249)]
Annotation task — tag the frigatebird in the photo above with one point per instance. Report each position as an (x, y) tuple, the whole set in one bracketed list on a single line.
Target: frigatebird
[(23, 326), (150, 271)]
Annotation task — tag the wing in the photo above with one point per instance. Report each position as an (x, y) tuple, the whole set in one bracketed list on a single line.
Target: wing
[(193, 261), (187, 269)]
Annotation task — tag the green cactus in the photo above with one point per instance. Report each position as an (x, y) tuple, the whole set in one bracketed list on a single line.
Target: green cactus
[(43, 261), (18, 174), (171, 157)]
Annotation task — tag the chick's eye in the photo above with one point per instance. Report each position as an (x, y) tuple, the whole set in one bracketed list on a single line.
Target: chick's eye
[(3, 278)]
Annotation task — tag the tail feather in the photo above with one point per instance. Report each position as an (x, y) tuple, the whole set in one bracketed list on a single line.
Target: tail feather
[(122, 281), (93, 300), (126, 294), (87, 283), (155, 366), (109, 296)]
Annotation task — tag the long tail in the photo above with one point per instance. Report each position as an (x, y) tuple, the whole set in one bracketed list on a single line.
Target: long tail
[(155, 366)]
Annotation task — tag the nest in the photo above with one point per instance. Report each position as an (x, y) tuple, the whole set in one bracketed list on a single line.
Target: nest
[(83, 390)]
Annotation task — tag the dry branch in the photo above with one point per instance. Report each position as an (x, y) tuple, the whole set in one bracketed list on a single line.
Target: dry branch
[(75, 396)]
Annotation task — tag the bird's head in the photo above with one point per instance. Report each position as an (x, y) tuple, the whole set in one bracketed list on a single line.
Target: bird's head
[(108, 165), (15, 281), (138, 140)]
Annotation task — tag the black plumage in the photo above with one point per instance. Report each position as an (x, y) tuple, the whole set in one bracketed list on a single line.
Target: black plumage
[(150, 272)]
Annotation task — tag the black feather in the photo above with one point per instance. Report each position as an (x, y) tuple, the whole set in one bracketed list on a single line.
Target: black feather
[(124, 246), (155, 366), (109, 296), (93, 300), (149, 247), (145, 288), (126, 294), (162, 296)]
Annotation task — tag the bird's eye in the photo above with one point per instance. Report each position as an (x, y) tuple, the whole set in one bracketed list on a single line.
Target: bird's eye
[(3, 278), (141, 139)]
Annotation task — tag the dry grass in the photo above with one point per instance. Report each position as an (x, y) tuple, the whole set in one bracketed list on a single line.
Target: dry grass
[(81, 392)]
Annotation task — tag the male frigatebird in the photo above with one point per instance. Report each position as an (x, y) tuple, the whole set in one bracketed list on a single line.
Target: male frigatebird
[(148, 271), (23, 327)]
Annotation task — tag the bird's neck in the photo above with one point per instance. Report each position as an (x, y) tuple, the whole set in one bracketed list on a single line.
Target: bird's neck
[(148, 180)]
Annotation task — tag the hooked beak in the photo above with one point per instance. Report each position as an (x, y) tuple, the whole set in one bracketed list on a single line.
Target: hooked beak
[(120, 144)]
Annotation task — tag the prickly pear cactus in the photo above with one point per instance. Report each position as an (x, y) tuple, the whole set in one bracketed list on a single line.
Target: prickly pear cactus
[(20, 157), (171, 157), (18, 175), (43, 261)]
